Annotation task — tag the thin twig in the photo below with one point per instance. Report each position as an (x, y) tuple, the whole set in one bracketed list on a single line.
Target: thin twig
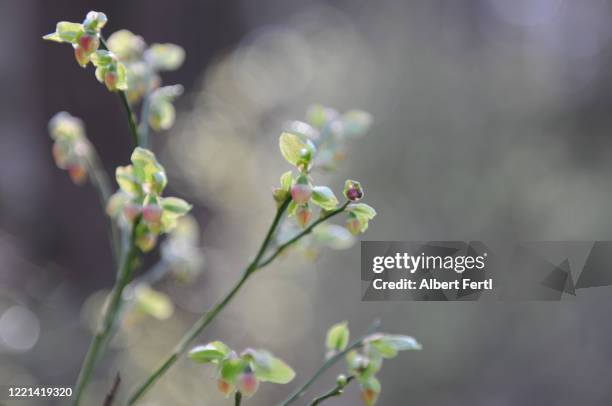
[(335, 391), (237, 398), (110, 397), (331, 361), (124, 274), (128, 109)]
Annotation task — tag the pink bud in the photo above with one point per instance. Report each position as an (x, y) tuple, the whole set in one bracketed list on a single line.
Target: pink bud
[(303, 215), (81, 56), (77, 173), (152, 213), (89, 43), (248, 384), (225, 387), (369, 396), (110, 80), (353, 225), (300, 193), (131, 211)]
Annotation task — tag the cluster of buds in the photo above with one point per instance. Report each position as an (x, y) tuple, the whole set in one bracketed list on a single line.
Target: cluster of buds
[(139, 198), (85, 38), (71, 149), (300, 151), (243, 372), (143, 65), (365, 363), (329, 130)]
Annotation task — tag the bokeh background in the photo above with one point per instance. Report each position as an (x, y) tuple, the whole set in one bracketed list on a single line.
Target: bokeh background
[(492, 122)]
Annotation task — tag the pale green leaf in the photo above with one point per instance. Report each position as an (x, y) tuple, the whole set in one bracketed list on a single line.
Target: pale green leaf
[(286, 180), (337, 337), (165, 56), (211, 352), (69, 32), (362, 210), (324, 197)]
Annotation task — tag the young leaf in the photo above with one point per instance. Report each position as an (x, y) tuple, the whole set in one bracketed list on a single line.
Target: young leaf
[(324, 197), (291, 147), (231, 368), (154, 303), (362, 210), (337, 337), (69, 32), (286, 180), (165, 56), (356, 123), (211, 352), (402, 343), (268, 368), (175, 205)]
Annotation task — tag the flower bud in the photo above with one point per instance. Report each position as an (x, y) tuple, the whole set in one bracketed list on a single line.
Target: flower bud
[(279, 195), (225, 387), (152, 213), (353, 225), (300, 193), (81, 56), (146, 241), (247, 384), (369, 396), (77, 173), (303, 215), (131, 211), (353, 190), (341, 380), (89, 43), (110, 80)]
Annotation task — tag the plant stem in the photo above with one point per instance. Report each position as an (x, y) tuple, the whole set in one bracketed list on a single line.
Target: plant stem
[(124, 273), (237, 399), (99, 179), (330, 361), (128, 109), (304, 232), (208, 317), (335, 391), (143, 128)]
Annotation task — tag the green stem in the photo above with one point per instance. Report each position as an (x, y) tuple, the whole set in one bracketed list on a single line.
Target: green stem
[(124, 274), (335, 391), (208, 317), (327, 364), (101, 183), (143, 128), (304, 232), (237, 399), (126, 105)]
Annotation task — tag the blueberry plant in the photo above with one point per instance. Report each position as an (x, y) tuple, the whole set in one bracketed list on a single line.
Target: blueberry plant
[(139, 213)]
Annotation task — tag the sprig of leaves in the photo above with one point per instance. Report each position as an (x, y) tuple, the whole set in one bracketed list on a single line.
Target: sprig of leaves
[(242, 373)]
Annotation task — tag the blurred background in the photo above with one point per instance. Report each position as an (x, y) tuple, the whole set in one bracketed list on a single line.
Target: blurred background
[(491, 122)]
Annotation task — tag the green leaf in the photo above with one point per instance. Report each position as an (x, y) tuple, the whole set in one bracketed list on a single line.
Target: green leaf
[(291, 147), (54, 36), (154, 303), (291, 208), (127, 181), (268, 368), (337, 337), (402, 343), (125, 44), (324, 197), (162, 115), (362, 210), (175, 205), (211, 352), (165, 56), (286, 181), (231, 368), (318, 115), (69, 32), (102, 58), (148, 171), (121, 77)]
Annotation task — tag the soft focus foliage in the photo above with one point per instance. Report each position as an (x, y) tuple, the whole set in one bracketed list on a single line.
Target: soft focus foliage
[(71, 149)]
